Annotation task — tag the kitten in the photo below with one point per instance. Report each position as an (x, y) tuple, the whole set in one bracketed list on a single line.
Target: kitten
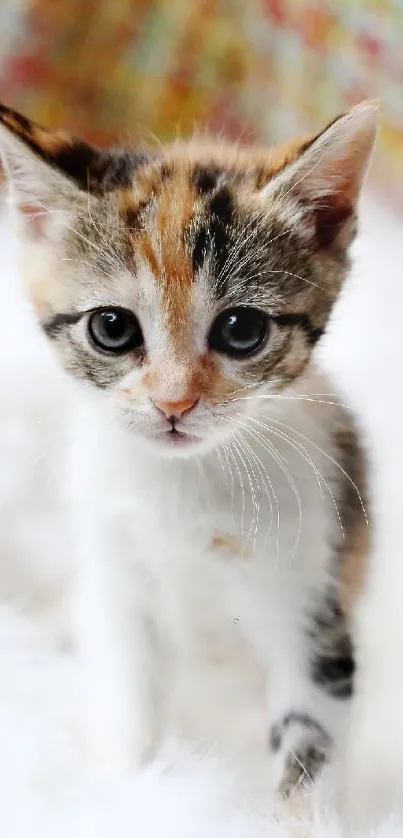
[(216, 487)]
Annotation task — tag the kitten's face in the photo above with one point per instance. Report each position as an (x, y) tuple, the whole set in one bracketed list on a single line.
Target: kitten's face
[(180, 284)]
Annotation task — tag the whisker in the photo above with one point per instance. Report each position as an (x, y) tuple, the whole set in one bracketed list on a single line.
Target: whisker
[(289, 273), (237, 442), (220, 459), (225, 450), (299, 448), (311, 397), (332, 460), (327, 456), (256, 497), (273, 451), (231, 452), (266, 483)]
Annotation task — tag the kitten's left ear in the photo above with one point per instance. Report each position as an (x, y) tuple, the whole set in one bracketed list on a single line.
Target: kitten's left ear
[(326, 178), (48, 172)]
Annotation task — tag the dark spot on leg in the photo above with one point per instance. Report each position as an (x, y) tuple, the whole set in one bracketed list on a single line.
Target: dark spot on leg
[(294, 717), (302, 768), (335, 675), (308, 747), (332, 666)]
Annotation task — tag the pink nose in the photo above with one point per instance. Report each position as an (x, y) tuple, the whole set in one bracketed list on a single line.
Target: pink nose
[(174, 410)]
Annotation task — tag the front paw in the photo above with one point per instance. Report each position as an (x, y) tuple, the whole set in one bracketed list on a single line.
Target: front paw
[(299, 747)]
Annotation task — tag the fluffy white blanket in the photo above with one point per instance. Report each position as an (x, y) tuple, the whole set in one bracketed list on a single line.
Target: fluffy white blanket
[(43, 790)]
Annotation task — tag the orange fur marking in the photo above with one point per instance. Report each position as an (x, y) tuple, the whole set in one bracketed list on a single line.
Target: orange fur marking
[(354, 565), (175, 210)]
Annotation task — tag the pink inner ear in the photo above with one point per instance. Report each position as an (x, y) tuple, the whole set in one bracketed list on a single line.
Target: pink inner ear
[(330, 217), (35, 217)]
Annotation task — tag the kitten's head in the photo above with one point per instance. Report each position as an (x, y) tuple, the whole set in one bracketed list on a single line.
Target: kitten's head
[(180, 282)]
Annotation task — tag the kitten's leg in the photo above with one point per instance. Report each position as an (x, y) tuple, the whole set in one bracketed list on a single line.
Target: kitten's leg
[(308, 689), (116, 654)]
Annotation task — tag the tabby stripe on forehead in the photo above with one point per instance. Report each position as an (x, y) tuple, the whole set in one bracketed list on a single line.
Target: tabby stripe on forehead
[(53, 327), (214, 236), (212, 239), (302, 320), (221, 206)]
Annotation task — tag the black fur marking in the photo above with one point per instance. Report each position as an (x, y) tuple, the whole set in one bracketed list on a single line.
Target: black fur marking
[(92, 169), (100, 171), (53, 327), (212, 237), (18, 117), (304, 719), (120, 166), (293, 717), (303, 321), (200, 248), (78, 161), (221, 245), (222, 207), (332, 666), (100, 371), (205, 178), (335, 675)]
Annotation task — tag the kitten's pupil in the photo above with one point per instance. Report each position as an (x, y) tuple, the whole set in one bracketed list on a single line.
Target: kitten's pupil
[(115, 330), (239, 331)]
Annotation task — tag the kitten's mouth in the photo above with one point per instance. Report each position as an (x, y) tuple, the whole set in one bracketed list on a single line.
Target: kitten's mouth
[(174, 437)]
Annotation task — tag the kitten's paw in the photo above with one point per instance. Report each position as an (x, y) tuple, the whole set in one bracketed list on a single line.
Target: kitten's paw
[(299, 747)]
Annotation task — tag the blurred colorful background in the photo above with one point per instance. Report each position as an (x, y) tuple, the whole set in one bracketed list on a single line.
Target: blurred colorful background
[(130, 70)]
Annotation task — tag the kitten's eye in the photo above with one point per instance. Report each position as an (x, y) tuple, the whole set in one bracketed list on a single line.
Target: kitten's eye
[(239, 331), (115, 330)]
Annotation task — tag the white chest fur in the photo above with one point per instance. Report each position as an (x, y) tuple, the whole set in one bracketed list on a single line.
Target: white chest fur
[(226, 543)]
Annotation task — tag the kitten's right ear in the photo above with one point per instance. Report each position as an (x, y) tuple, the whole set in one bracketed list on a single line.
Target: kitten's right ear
[(49, 172)]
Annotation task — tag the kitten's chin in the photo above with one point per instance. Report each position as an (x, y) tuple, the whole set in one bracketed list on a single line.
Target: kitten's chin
[(180, 445)]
